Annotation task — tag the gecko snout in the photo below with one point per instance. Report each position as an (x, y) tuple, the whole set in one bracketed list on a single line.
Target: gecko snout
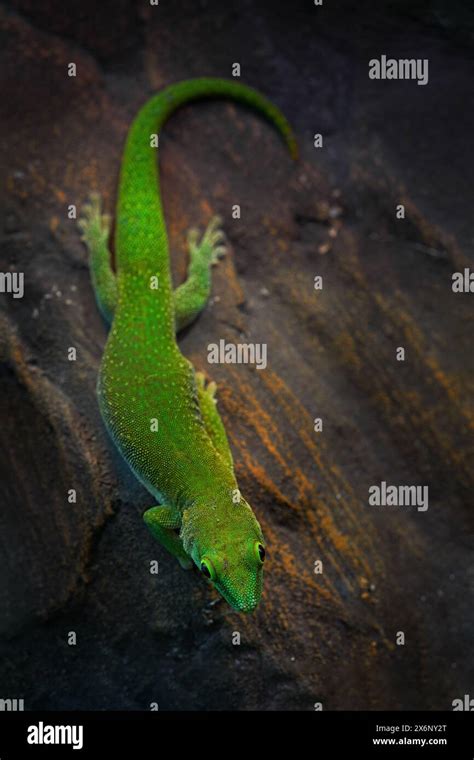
[(237, 573)]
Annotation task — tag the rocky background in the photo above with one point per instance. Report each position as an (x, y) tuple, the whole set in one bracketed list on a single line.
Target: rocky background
[(84, 567)]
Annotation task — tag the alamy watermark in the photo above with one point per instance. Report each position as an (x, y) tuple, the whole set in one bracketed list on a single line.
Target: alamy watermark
[(463, 282), (240, 353), (46, 734), (399, 496), (12, 705), (401, 68), (12, 282), (466, 703)]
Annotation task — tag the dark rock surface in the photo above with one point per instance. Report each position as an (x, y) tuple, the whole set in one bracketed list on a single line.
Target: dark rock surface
[(84, 567)]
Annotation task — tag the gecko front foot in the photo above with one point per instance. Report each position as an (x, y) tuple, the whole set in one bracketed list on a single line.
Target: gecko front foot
[(206, 392), (209, 390), (164, 523), (212, 247)]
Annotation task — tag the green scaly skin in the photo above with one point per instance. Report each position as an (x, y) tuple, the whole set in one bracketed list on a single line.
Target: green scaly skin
[(158, 411)]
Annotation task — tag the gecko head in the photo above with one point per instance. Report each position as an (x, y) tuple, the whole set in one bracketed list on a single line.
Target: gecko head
[(232, 558)]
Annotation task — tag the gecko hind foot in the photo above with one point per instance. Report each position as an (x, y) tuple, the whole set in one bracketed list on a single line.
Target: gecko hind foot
[(94, 225), (192, 295), (212, 246), (95, 228)]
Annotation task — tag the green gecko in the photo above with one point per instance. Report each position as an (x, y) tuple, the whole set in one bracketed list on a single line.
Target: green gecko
[(160, 413)]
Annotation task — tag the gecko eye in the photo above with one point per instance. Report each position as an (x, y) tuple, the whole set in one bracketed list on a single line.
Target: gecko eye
[(260, 551), (207, 569)]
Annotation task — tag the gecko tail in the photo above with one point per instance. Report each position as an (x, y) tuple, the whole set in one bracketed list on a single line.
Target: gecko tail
[(139, 202), (161, 106)]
